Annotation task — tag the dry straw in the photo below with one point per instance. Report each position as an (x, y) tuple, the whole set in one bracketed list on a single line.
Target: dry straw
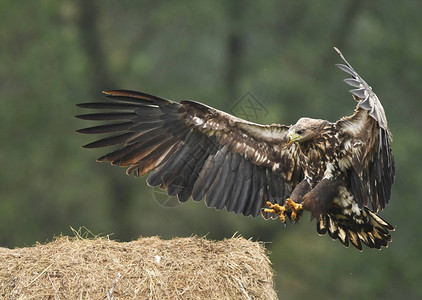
[(148, 268)]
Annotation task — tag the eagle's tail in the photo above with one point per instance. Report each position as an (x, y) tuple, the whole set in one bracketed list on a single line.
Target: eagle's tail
[(357, 225)]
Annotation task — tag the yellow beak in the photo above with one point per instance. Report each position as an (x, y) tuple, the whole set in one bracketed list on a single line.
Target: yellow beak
[(292, 137)]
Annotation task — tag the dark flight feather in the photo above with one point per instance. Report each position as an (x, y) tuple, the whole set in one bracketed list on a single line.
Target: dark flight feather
[(109, 105), (108, 128), (107, 116), (252, 196), (246, 185), (214, 197), (110, 141)]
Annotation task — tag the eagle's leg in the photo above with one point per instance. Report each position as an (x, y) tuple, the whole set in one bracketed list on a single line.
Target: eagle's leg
[(293, 202), (276, 209), (295, 207)]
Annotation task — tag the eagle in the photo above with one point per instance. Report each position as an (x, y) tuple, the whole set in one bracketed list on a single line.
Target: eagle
[(333, 170)]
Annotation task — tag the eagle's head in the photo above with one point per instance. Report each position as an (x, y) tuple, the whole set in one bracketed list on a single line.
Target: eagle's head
[(305, 129)]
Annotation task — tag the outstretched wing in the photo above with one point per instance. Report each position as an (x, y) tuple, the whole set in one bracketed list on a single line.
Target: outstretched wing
[(195, 150), (368, 144)]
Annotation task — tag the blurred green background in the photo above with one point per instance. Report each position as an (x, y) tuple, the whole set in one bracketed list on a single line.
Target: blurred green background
[(55, 54)]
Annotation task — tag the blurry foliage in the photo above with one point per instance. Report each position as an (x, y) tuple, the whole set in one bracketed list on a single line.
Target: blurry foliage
[(55, 54)]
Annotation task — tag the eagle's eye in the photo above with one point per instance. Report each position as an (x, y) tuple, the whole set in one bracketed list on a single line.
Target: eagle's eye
[(300, 131)]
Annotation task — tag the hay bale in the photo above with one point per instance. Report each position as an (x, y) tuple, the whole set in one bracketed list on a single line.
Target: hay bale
[(148, 268)]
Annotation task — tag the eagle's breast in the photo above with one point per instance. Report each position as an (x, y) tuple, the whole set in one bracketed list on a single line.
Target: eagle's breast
[(322, 157)]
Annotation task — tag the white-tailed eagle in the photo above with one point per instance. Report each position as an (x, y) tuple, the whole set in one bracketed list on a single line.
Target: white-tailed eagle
[(334, 170)]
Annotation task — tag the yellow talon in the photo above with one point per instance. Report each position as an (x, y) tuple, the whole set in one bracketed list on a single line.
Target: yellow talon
[(295, 207), (277, 209)]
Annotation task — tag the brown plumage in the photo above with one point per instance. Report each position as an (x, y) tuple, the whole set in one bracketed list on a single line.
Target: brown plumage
[(334, 170)]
